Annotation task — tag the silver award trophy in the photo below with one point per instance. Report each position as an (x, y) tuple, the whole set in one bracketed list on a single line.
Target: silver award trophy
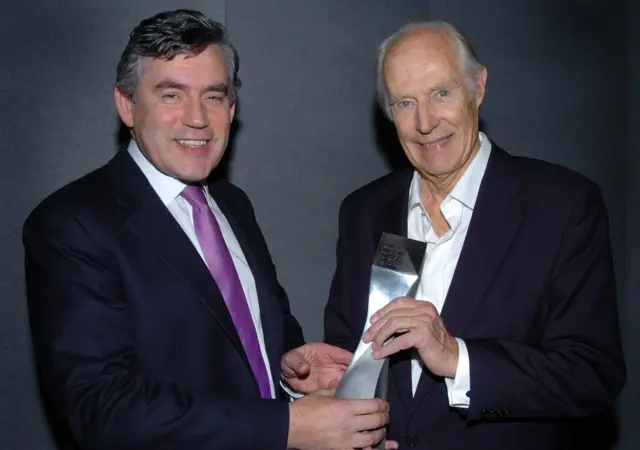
[(395, 273)]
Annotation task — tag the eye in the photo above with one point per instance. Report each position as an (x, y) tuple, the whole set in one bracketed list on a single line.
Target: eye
[(403, 104), (170, 96), (443, 93), (215, 98)]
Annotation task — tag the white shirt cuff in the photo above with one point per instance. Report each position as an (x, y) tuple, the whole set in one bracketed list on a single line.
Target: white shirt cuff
[(459, 388), (293, 395)]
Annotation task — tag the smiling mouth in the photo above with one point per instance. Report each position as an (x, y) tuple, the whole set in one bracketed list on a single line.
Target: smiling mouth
[(192, 143), (437, 143)]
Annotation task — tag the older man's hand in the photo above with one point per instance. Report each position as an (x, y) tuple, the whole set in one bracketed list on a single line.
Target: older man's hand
[(414, 324)]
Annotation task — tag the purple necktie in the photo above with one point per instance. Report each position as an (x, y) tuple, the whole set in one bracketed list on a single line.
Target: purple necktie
[(224, 273)]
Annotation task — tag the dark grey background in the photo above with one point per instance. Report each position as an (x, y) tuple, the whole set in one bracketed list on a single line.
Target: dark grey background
[(630, 305), (562, 76)]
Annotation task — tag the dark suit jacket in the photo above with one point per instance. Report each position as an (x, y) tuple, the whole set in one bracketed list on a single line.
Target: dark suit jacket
[(132, 339), (533, 296)]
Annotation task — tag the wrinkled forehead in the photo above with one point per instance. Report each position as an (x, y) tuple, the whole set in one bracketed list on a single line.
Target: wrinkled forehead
[(422, 48), (207, 62)]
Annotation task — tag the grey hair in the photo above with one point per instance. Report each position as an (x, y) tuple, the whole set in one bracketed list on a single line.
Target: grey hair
[(168, 34), (467, 59)]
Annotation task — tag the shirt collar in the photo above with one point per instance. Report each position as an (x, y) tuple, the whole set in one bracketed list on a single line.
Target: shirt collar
[(166, 187), (467, 188)]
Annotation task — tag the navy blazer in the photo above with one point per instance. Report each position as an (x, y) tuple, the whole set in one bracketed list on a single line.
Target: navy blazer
[(131, 336), (533, 296)]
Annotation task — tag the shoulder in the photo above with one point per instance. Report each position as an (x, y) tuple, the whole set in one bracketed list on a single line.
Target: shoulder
[(378, 192), (546, 181), (88, 193)]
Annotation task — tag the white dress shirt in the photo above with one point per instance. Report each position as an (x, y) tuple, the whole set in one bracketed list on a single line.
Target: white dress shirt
[(169, 190), (442, 258)]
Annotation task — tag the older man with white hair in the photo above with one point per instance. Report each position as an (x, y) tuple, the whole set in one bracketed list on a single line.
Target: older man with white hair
[(512, 337)]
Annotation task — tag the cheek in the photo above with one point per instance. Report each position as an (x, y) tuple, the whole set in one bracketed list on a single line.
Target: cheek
[(454, 113), (220, 118), (159, 114), (405, 128), (166, 117), (468, 115)]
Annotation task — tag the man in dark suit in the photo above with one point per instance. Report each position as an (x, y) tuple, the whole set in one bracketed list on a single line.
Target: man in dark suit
[(156, 315), (512, 338)]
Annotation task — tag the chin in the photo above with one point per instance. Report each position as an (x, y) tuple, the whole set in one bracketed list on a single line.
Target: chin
[(435, 169)]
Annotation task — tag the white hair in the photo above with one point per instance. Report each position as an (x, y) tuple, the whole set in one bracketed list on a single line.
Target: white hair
[(467, 60)]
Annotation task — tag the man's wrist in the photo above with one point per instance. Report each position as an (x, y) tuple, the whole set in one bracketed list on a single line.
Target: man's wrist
[(291, 392), (293, 440), (454, 358)]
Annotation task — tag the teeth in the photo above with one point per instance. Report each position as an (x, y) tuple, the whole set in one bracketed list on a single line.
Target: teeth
[(439, 141), (191, 142)]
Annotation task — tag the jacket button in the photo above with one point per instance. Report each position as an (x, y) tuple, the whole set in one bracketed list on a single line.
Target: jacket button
[(412, 440)]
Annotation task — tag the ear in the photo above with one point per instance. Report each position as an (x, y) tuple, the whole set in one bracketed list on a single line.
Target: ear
[(124, 105), (232, 111), (481, 82)]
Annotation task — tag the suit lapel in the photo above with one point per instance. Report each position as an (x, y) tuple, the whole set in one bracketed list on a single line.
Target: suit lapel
[(392, 218), (152, 223), (495, 222), (269, 315)]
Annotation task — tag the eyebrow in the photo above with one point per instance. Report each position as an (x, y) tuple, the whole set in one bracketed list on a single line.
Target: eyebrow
[(394, 100), (172, 84), (220, 87), (447, 84)]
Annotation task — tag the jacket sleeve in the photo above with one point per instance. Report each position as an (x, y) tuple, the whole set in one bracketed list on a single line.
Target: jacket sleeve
[(578, 368), (340, 326)]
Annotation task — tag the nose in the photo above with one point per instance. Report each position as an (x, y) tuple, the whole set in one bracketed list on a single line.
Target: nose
[(426, 119), (194, 114)]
